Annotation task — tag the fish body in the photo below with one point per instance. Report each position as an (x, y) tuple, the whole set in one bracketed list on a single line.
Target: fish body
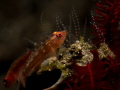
[(14, 71)]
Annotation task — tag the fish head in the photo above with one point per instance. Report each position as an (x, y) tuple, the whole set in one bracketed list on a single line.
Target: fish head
[(58, 38)]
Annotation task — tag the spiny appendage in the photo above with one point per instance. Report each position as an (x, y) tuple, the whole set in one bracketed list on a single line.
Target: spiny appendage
[(107, 21), (74, 23), (74, 27)]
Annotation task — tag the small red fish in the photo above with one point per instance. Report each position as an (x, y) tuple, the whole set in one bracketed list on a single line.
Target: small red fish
[(46, 50), (14, 71)]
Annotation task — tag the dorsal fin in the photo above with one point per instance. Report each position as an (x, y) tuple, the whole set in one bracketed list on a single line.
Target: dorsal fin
[(32, 42)]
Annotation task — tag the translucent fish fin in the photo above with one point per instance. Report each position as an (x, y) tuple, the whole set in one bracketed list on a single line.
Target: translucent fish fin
[(22, 80)]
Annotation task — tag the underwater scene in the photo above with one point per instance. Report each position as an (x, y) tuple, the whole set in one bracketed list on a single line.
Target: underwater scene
[(59, 44)]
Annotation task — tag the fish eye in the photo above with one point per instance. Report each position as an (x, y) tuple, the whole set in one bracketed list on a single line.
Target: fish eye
[(58, 34), (4, 81)]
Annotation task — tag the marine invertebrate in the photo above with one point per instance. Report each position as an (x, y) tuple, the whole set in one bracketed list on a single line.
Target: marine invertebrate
[(107, 24), (81, 64), (102, 72), (96, 74), (90, 75), (107, 21)]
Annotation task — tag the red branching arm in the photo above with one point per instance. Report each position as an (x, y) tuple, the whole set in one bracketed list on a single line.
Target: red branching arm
[(107, 21)]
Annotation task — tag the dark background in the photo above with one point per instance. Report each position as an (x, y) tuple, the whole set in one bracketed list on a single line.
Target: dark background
[(35, 20)]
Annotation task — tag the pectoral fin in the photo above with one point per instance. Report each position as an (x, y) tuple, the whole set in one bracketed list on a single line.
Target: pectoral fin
[(22, 80)]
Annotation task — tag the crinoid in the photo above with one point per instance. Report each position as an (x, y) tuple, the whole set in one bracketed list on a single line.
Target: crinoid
[(106, 21), (90, 67), (102, 73)]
